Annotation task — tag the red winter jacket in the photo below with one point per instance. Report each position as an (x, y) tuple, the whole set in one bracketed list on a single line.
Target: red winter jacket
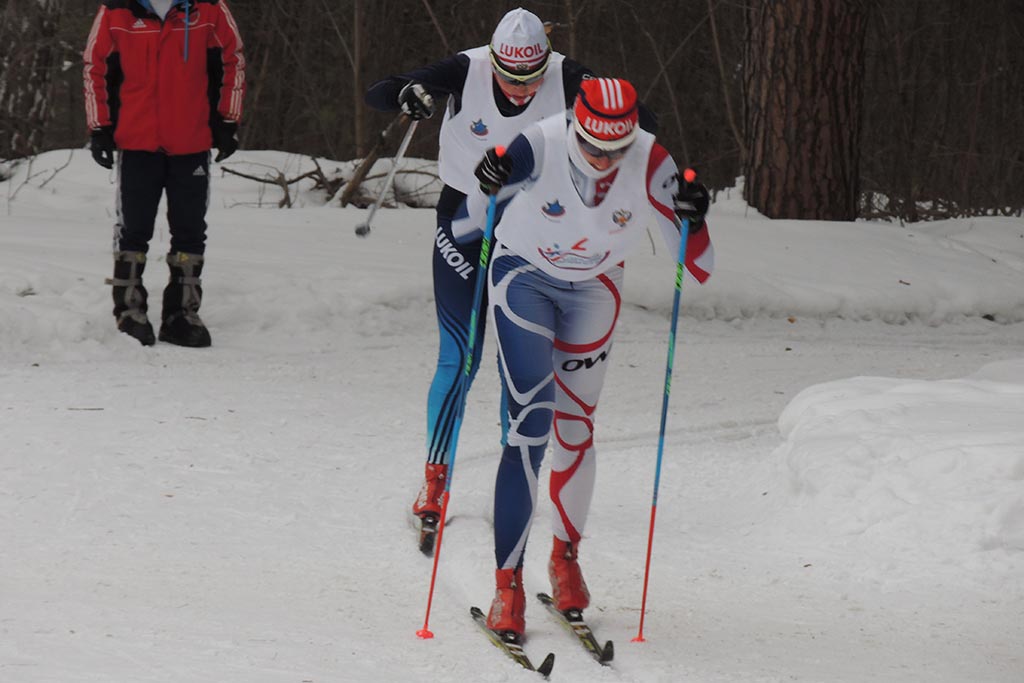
[(138, 80)]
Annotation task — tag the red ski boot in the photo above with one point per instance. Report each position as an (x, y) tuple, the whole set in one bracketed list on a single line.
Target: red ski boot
[(428, 505), (568, 589), (508, 611), (428, 502)]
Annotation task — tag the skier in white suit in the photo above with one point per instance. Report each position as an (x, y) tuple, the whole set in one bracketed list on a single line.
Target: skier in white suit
[(574, 198)]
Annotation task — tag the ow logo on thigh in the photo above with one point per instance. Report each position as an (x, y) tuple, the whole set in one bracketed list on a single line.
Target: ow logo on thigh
[(574, 364)]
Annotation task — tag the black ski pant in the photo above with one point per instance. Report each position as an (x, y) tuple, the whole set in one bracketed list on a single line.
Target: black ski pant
[(142, 178)]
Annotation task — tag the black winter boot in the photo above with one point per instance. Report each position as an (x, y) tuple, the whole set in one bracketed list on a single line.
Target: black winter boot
[(182, 297), (130, 296)]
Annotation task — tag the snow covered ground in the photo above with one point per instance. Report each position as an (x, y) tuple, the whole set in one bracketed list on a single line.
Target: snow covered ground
[(842, 496)]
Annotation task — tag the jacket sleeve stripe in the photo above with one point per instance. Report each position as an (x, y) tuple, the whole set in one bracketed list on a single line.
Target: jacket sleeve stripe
[(94, 73), (234, 68)]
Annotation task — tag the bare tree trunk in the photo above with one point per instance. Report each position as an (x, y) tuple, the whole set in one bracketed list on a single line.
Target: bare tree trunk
[(359, 111), (663, 71), (254, 94), (437, 25), (804, 70), (571, 19), (31, 56), (725, 81)]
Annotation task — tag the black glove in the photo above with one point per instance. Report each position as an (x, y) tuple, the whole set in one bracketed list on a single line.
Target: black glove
[(416, 102), (691, 202), (102, 146), (493, 171), (225, 138)]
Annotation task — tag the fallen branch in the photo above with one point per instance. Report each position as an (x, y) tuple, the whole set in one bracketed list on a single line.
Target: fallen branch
[(282, 181)]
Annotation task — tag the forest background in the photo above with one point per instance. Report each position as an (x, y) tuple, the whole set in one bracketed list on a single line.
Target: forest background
[(835, 109)]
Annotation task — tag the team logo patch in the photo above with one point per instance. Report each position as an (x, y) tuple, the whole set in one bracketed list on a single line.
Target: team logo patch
[(553, 209), (478, 128), (621, 217), (575, 257), (521, 56), (608, 130), (451, 254)]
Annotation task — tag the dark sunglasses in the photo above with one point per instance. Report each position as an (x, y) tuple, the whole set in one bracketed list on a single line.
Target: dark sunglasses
[(595, 151)]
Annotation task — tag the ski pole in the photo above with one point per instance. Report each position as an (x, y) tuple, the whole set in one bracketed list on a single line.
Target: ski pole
[(371, 157), (363, 229), (478, 295), (689, 175)]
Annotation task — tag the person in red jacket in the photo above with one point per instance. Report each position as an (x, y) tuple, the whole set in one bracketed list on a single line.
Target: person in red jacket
[(164, 82)]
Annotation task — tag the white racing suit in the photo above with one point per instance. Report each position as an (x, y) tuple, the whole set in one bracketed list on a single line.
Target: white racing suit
[(555, 295)]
